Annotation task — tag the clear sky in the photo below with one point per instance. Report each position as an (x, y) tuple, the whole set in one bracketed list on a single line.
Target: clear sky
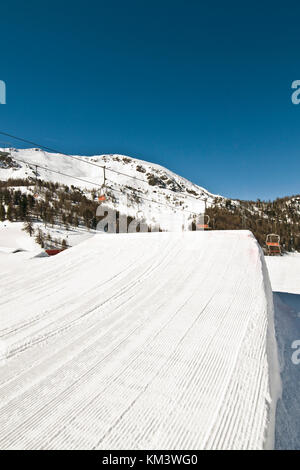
[(203, 88)]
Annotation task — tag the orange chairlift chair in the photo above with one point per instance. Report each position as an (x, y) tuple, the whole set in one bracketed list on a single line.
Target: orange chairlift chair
[(273, 244), (102, 195), (203, 223), (102, 192)]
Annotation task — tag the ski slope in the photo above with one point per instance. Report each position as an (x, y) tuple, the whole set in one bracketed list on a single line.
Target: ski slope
[(13, 237), (151, 341), (285, 273)]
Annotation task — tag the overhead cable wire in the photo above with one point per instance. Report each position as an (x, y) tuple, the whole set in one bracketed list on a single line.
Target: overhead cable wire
[(82, 160), (100, 185)]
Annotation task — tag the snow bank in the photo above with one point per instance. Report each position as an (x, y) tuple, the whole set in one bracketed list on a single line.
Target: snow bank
[(285, 273), (153, 341)]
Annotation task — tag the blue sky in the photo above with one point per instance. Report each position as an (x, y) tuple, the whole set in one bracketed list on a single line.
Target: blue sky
[(203, 88)]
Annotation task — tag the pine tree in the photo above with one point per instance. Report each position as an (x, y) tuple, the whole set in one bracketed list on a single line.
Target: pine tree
[(10, 213), (23, 206), (2, 213), (39, 238), (28, 227)]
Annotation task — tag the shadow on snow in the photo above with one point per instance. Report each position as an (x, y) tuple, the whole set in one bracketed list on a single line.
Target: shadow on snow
[(287, 326)]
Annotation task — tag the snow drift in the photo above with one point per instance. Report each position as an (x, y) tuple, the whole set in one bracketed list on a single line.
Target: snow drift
[(152, 341)]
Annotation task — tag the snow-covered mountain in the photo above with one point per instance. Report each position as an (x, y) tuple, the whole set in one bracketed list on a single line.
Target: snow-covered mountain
[(135, 187)]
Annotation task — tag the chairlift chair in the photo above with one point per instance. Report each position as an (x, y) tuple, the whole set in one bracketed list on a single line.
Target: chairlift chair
[(204, 223), (101, 198), (273, 244), (101, 195)]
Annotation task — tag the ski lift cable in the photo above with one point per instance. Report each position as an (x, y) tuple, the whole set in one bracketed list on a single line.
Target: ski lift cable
[(48, 148), (100, 185), (69, 156), (87, 162), (56, 171)]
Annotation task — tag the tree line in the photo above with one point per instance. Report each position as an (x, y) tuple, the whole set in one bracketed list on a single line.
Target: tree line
[(51, 204), (281, 216)]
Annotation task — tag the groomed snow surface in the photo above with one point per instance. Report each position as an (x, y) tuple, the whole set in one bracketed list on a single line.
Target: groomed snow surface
[(151, 341)]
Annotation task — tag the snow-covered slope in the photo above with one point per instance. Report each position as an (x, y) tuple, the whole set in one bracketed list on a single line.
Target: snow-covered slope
[(13, 238), (133, 186), (154, 341), (285, 273)]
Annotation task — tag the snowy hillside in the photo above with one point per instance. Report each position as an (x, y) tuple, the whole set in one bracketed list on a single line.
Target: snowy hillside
[(130, 341), (133, 186), (13, 238)]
